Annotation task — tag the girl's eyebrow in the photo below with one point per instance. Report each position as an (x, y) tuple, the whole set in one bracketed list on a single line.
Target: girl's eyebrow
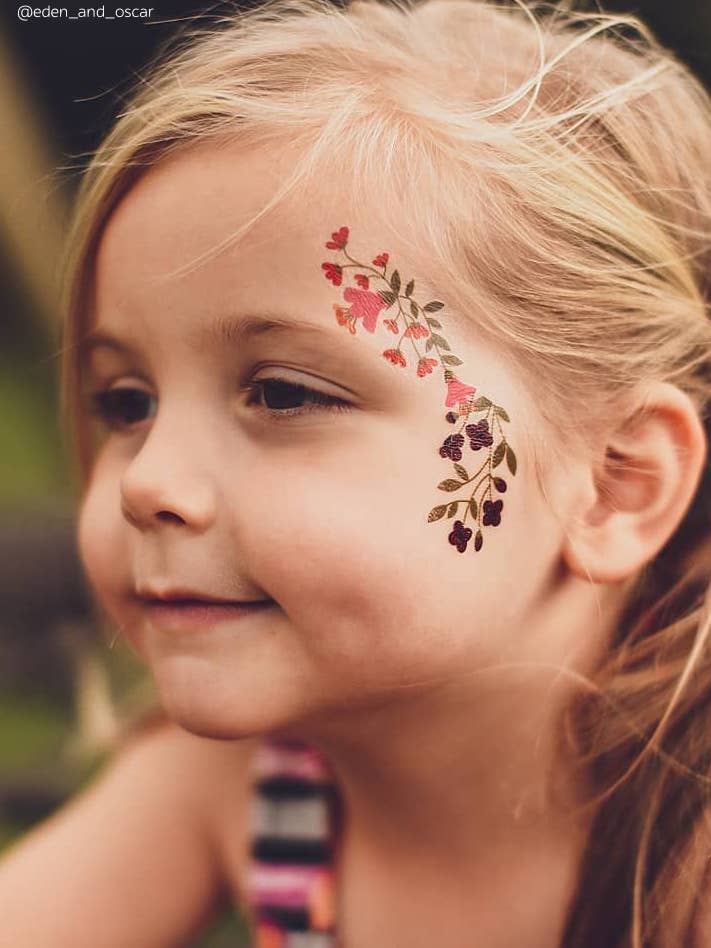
[(235, 328), (228, 329)]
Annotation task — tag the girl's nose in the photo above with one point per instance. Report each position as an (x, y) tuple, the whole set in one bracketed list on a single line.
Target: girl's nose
[(168, 481)]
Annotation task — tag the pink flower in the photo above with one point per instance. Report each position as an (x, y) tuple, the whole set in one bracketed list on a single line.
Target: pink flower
[(365, 305), (339, 239), (395, 356), (333, 272), (341, 314), (390, 324), (457, 392), (362, 280), (381, 259), (415, 330), (425, 366), (343, 318)]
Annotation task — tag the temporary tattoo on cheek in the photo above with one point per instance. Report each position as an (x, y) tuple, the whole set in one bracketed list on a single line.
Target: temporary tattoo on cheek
[(478, 420)]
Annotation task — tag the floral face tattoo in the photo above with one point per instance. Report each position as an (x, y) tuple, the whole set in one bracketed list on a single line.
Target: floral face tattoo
[(419, 324)]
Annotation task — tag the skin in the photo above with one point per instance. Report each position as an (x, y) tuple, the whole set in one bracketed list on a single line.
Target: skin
[(431, 679)]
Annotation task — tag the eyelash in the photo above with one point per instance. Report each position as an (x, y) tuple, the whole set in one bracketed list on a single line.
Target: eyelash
[(320, 401), (106, 404)]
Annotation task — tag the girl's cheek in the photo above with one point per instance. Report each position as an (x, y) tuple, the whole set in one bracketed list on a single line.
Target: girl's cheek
[(101, 547), (341, 552)]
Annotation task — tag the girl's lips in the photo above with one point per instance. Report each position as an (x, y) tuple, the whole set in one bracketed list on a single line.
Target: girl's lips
[(176, 614)]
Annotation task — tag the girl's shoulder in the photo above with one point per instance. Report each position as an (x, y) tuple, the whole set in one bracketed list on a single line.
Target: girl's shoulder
[(142, 832), (216, 776), (269, 809)]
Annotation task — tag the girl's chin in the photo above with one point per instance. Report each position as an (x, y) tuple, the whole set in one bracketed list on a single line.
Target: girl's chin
[(210, 702), (204, 721)]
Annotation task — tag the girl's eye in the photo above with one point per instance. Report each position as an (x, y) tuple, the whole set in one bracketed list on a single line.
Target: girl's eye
[(119, 408), (284, 398)]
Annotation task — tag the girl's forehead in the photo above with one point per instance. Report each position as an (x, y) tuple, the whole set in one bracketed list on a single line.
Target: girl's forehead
[(190, 204), (169, 244)]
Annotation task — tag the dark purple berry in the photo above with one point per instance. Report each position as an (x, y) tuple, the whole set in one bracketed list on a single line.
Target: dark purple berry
[(460, 536), (492, 512), (479, 434), (452, 447), (451, 417)]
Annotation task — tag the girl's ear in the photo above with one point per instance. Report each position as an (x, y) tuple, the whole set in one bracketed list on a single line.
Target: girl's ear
[(651, 469)]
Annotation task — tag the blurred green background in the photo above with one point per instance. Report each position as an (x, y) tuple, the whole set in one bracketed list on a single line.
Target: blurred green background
[(63, 691)]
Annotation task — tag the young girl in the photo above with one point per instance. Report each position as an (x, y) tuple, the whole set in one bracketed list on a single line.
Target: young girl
[(387, 351)]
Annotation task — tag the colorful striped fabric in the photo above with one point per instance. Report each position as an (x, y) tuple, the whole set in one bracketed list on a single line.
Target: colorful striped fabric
[(294, 818)]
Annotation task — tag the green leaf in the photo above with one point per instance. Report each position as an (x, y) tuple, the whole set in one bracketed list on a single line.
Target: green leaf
[(434, 322), (461, 472), (395, 281), (501, 413), (387, 297), (451, 360), (441, 341), (452, 509), (479, 403), (410, 287), (433, 306), (436, 513), (429, 343), (498, 454), (473, 507), (414, 309), (450, 484), (511, 459)]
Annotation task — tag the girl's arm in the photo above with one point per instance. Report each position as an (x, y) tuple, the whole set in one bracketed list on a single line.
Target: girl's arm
[(136, 858)]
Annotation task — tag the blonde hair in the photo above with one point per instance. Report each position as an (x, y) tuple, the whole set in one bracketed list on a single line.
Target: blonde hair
[(554, 163)]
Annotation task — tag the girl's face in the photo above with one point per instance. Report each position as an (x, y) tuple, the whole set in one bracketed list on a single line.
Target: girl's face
[(204, 480)]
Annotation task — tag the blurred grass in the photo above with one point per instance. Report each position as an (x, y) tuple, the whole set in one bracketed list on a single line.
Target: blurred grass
[(32, 732), (31, 468)]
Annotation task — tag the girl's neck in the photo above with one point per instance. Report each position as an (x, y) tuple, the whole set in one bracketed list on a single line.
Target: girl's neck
[(442, 846), (464, 780)]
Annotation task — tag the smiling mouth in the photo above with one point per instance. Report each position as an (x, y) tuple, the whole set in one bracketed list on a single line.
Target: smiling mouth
[(187, 614), (193, 602)]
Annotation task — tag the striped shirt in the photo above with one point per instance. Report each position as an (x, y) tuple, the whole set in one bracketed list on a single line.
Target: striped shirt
[(293, 823)]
